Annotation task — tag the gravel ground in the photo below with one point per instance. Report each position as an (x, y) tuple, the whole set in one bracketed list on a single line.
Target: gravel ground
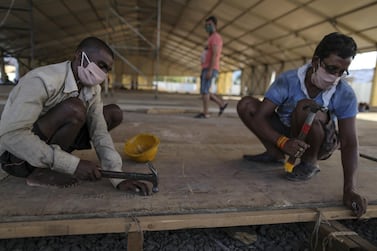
[(279, 237), (365, 228)]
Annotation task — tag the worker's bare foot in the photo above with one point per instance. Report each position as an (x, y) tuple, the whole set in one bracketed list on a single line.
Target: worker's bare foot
[(43, 177)]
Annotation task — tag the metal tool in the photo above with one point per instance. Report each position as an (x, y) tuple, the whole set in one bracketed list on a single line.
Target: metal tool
[(368, 157), (289, 164), (150, 177)]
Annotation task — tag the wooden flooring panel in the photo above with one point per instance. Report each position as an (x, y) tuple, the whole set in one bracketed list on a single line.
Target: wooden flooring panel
[(203, 181), (197, 178), (201, 171)]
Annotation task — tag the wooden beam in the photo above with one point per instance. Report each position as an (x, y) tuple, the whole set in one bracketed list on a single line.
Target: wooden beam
[(332, 235), (171, 222), (135, 241), (359, 242)]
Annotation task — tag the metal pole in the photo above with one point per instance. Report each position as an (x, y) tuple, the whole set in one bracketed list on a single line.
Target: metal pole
[(2, 65), (373, 93), (131, 27), (107, 42), (157, 47), (31, 35)]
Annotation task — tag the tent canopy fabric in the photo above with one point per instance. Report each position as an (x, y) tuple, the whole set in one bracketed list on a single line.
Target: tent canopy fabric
[(255, 32)]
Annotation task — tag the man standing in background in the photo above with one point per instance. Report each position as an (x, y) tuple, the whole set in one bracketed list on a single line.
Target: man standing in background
[(210, 68)]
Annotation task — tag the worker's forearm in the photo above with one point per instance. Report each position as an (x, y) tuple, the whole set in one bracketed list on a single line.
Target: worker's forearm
[(102, 141), (350, 164), (264, 130)]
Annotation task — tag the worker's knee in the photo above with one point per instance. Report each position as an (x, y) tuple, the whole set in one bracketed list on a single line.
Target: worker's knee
[(247, 105), (113, 115), (302, 105)]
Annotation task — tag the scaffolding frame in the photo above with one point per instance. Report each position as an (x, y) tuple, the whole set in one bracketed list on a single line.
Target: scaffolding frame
[(151, 46)]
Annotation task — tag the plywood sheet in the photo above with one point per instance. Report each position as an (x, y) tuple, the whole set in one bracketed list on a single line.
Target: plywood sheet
[(196, 179), (201, 171)]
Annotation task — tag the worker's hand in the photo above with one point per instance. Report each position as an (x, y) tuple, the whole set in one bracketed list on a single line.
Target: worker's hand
[(295, 147), (357, 203), (134, 186), (87, 170)]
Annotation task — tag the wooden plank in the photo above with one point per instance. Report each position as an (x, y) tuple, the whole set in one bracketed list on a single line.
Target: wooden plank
[(331, 239), (135, 241), (198, 174), (170, 222), (332, 235), (64, 227), (361, 243), (158, 223)]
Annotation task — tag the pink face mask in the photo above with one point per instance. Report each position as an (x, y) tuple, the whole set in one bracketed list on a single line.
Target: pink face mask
[(91, 74), (324, 80)]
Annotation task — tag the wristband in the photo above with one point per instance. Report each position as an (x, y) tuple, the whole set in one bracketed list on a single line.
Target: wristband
[(280, 143)]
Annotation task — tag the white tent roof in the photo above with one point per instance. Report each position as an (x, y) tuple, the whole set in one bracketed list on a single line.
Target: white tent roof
[(255, 32)]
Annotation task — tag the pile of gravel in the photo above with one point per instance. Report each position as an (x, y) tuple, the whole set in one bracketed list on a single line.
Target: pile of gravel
[(284, 237), (265, 237), (279, 237)]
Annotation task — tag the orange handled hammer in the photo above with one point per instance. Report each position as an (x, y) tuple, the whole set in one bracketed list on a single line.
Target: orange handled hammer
[(289, 164)]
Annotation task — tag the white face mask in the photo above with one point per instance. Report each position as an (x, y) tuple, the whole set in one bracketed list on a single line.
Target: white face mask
[(324, 80), (91, 74)]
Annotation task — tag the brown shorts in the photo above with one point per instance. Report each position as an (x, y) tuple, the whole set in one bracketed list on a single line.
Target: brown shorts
[(331, 141), (82, 140)]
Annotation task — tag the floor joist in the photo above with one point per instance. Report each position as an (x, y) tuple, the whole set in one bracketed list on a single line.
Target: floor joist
[(172, 222), (332, 235)]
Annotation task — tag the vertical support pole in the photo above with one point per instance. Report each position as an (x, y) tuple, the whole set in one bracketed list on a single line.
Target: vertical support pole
[(115, 76), (266, 78), (2, 66), (107, 42), (157, 62), (31, 65), (281, 68), (373, 93), (253, 80), (135, 241), (242, 83)]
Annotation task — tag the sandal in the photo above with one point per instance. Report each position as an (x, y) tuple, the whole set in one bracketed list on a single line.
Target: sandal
[(302, 171), (202, 116), (263, 158), (222, 109)]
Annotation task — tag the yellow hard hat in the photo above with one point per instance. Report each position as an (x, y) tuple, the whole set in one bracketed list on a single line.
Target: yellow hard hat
[(142, 147)]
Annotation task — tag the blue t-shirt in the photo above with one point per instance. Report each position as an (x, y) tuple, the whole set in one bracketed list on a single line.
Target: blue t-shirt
[(286, 91)]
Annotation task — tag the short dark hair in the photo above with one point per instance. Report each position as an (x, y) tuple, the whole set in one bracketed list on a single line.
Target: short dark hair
[(213, 19), (94, 43), (336, 43)]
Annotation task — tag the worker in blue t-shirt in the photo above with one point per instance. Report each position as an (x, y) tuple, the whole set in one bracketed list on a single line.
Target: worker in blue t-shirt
[(278, 119)]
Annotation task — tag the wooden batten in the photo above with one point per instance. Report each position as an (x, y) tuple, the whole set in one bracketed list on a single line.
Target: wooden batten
[(171, 222)]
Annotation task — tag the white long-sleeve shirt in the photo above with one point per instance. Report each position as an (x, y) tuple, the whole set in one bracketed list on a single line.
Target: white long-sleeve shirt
[(36, 93)]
